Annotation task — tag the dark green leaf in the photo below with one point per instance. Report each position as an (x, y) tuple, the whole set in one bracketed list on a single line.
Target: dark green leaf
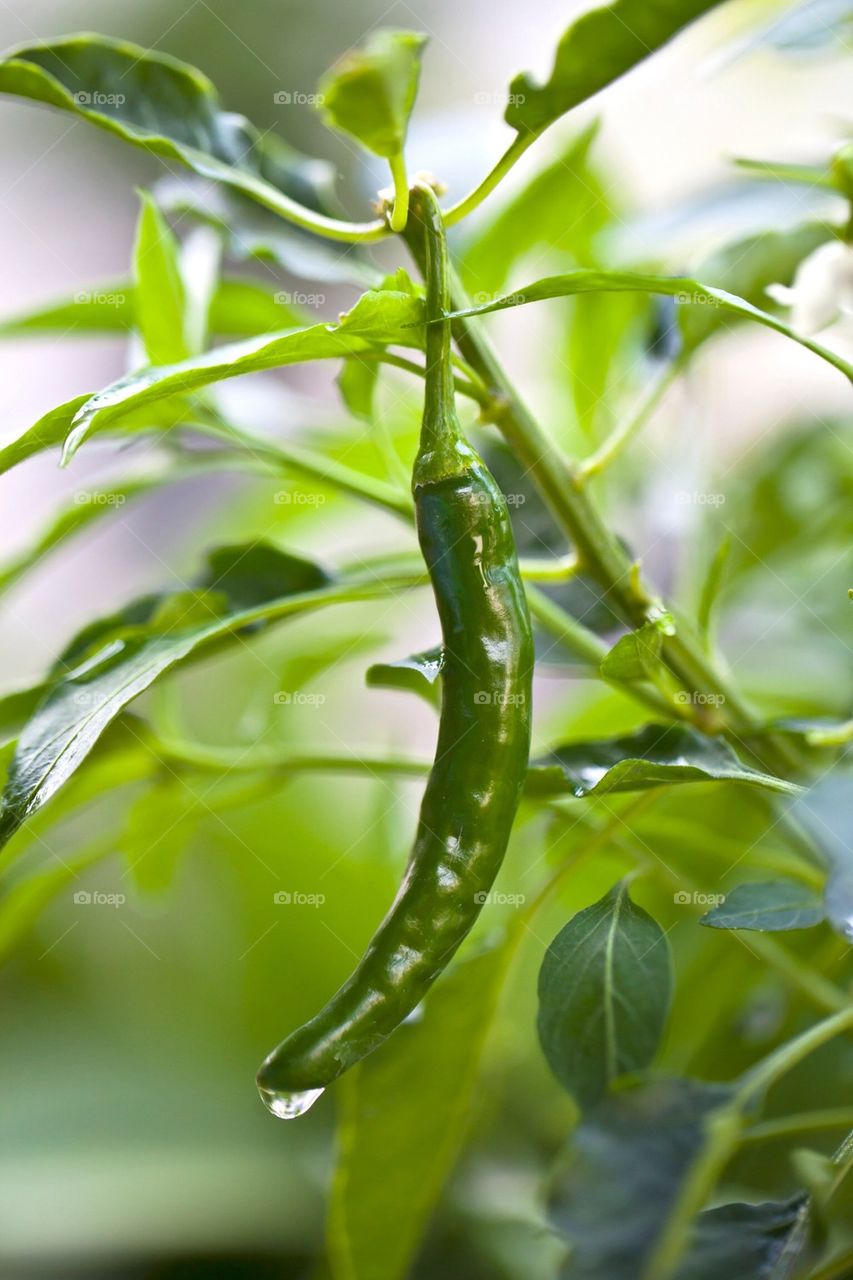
[(406, 1109), (688, 292), (418, 673), (624, 1170), (747, 1241), (595, 50), (117, 659), (654, 756), (604, 993), (156, 102), (767, 906), (369, 92)]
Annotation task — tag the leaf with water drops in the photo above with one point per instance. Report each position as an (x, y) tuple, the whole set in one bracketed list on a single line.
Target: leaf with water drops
[(419, 673), (604, 992), (767, 906), (657, 755)]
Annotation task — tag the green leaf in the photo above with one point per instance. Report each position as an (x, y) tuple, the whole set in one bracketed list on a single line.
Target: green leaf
[(379, 317), (158, 103), (747, 1241), (160, 299), (687, 292), (52, 429), (604, 993), (357, 384), (118, 658), (635, 656), (623, 1173), (711, 588), (654, 756), (826, 813), (595, 50), (238, 308), (406, 1109), (420, 673), (369, 92), (746, 267), (767, 906)]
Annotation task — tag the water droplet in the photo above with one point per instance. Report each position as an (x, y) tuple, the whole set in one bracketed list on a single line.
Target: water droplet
[(287, 1106)]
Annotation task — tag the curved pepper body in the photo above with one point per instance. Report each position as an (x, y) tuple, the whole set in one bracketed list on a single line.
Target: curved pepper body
[(481, 756)]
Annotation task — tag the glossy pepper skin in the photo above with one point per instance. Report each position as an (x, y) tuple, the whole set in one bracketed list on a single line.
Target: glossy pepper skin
[(484, 735)]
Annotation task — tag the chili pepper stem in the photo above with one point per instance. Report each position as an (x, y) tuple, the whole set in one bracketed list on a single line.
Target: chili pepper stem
[(400, 209)]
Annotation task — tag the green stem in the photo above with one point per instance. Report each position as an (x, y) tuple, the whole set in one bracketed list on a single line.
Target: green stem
[(227, 759), (764, 1074), (628, 430), (560, 569), (804, 1122), (476, 197), (400, 210), (329, 228)]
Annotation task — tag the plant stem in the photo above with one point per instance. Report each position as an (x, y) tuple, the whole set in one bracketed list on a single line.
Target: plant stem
[(514, 152), (804, 1122), (400, 210), (766, 1073), (228, 759), (633, 424), (562, 485)]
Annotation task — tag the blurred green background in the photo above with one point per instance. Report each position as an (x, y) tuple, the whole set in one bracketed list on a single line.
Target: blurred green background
[(132, 1142)]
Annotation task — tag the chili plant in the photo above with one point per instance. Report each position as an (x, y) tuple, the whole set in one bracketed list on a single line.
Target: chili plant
[(681, 830)]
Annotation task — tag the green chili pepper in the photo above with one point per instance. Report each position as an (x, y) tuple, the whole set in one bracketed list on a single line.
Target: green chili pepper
[(483, 740)]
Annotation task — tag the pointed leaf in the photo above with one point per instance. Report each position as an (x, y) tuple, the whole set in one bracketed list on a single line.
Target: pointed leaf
[(118, 659), (420, 673), (604, 993), (156, 102), (748, 1241), (686, 291), (635, 656), (598, 48), (379, 317), (768, 906), (160, 299), (654, 756), (369, 92)]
